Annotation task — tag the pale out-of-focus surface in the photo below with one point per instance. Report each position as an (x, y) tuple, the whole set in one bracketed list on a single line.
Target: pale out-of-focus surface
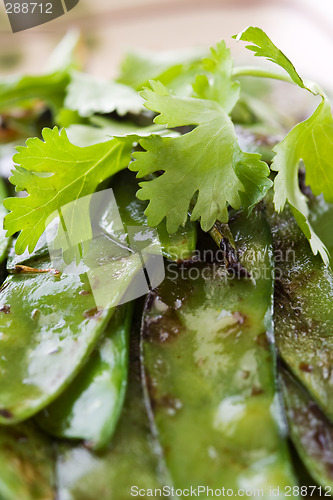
[(301, 28)]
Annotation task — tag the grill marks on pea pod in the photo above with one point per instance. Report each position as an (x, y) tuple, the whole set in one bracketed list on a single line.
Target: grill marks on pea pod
[(208, 374)]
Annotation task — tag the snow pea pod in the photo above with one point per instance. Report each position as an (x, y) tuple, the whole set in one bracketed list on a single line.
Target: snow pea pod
[(4, 242), (321, 218), (129, 461), (209, 370), (178, 246), (303, 311), (27, 465), (310, 431), (50, 324), (90, 407)]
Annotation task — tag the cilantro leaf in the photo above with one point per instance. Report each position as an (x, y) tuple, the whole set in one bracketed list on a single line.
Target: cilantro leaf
[(262, 46), (312, 142), (206, 162), (54, 172), (176, 70), (49, 87), (19, 90), (64, 56), (217, 85), (86, 135), (87, 95), (138, 68)]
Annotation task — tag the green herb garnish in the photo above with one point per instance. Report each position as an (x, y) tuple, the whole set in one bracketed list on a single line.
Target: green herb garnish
[(204, 171)]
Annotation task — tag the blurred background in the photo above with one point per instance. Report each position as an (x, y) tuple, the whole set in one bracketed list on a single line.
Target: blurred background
[(302, 28)]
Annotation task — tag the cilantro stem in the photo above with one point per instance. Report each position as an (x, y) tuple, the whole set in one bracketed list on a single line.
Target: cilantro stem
[(260, 73), (220, 232), (254, 71)]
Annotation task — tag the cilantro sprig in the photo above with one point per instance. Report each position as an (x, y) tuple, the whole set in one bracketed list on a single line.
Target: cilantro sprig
[(49, 87), (206, 162), (54, 172), (310, 141), (204, 168), (203, 171)]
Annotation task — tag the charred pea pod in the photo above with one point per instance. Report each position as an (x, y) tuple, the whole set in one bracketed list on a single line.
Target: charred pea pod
[(27, 464), (209, 370), (131, 460), (89, 408), (50, 322), (303, 311), (67, 416), (310, 431)]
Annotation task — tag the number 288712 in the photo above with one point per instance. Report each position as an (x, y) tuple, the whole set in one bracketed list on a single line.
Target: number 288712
[(28, 8)]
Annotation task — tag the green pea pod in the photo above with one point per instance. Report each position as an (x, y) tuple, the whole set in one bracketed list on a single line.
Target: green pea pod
[(130, 461), (209, 370), (303, 310), (89, 408), (41, 250), (4, 242), (321, 218), (26, 464), (178, 246), (310, 431), (50, 324)]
